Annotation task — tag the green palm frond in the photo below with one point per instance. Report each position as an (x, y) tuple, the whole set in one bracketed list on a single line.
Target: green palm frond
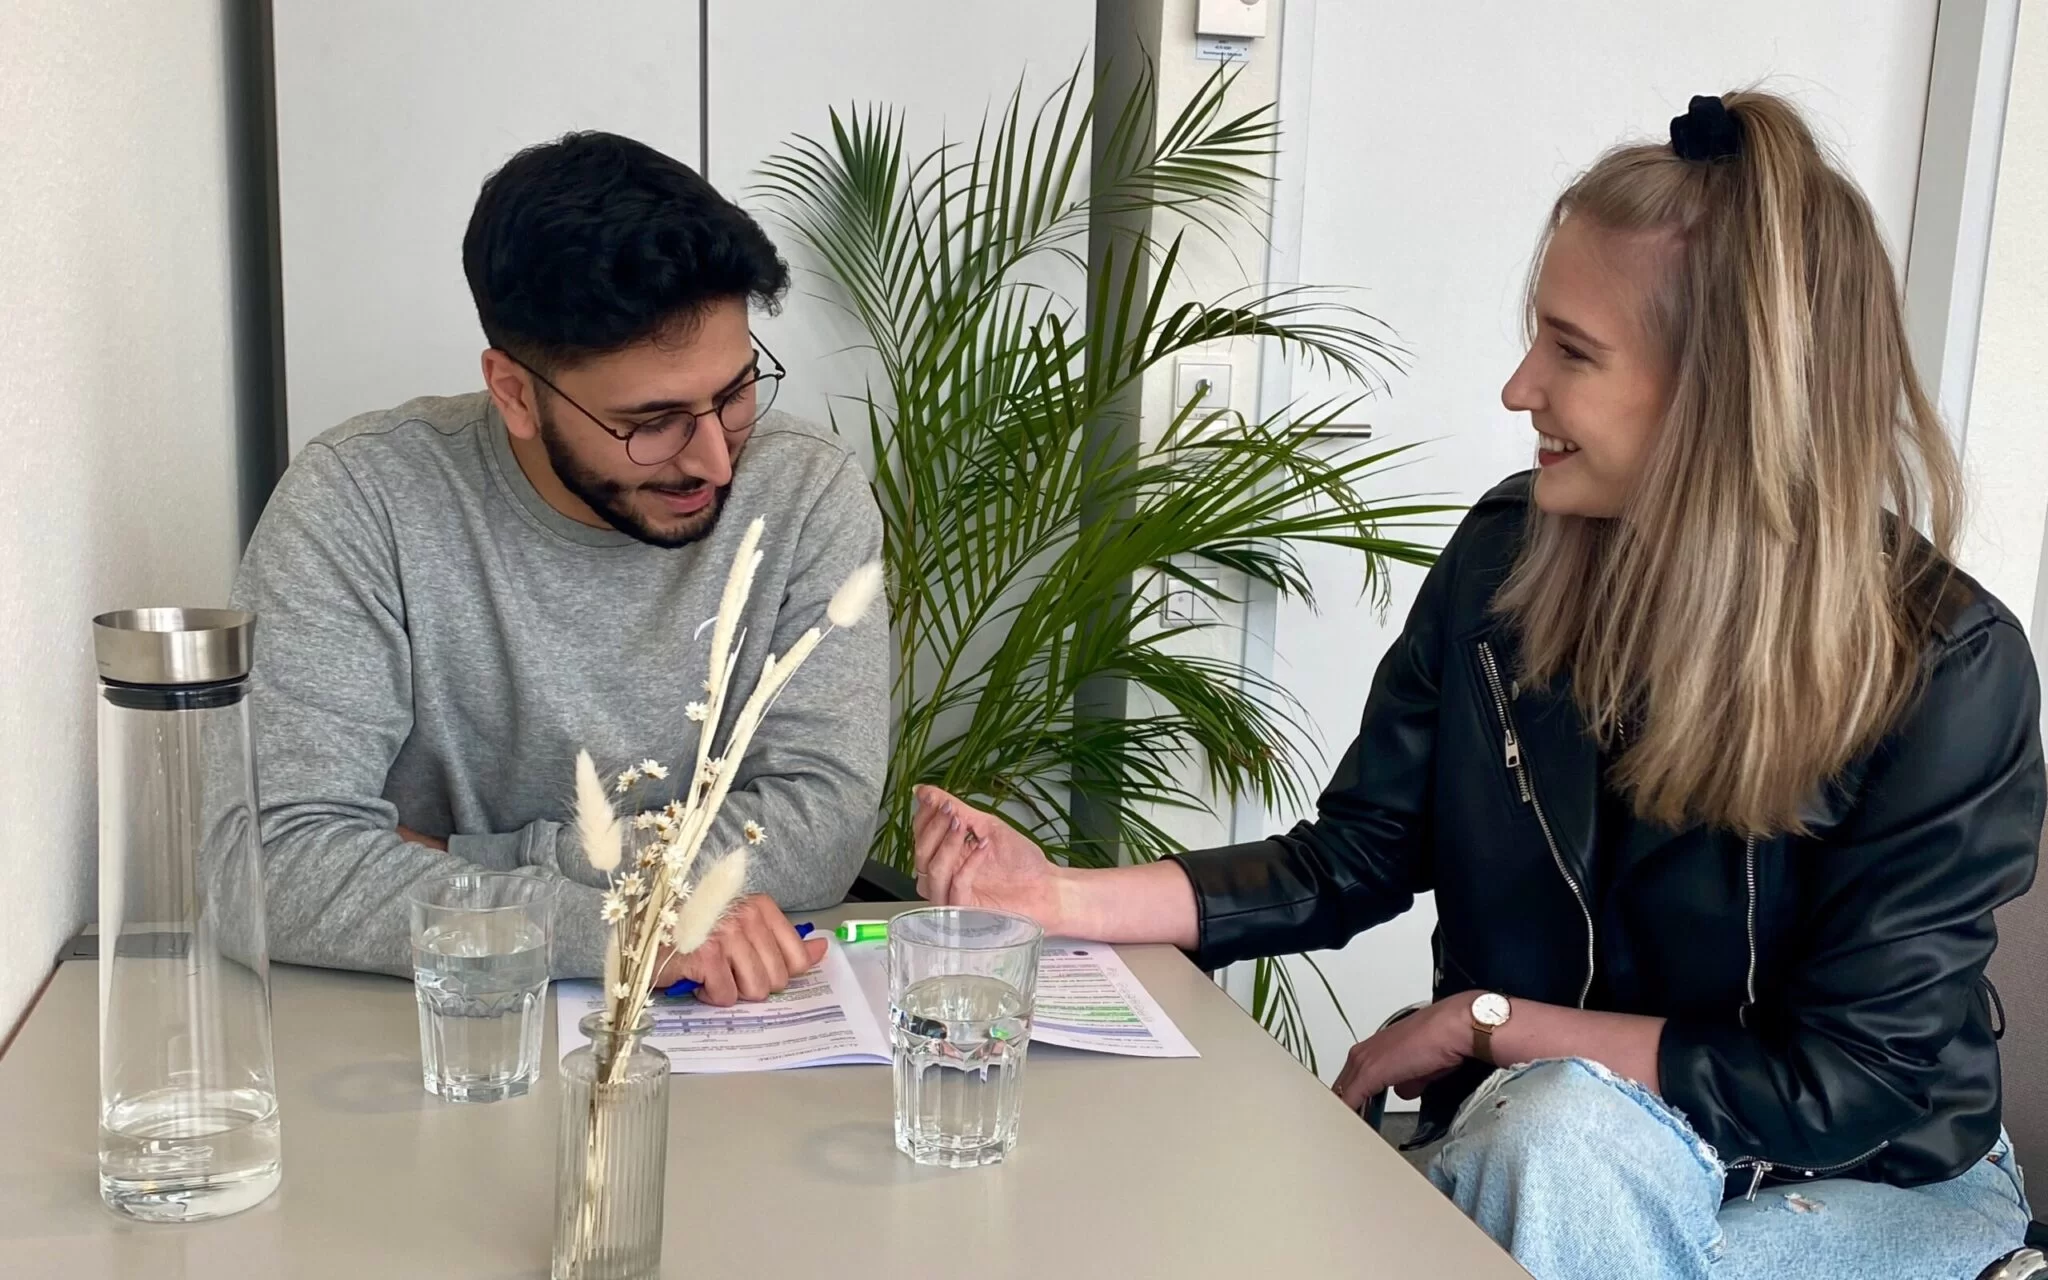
[(1277, 1005), (1028, 549)]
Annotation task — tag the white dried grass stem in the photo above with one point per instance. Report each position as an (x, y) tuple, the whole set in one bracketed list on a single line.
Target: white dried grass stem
[(597, 826), (722, 884), (855, 595)]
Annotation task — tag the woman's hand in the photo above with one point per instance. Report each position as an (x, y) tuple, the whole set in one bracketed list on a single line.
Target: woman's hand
[(968, 858), (1409, 1054)]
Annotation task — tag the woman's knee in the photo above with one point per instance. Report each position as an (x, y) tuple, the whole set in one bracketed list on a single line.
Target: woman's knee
[(1578, 1172), (1573, 1122)]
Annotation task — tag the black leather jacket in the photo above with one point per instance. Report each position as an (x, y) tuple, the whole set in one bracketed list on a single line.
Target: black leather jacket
[(1827, 1007)]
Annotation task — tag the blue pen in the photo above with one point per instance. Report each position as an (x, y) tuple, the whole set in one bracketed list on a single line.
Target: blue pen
[(689, 986)]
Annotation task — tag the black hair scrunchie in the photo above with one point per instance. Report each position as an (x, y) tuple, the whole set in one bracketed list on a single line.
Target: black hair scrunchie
[(1708, 131)]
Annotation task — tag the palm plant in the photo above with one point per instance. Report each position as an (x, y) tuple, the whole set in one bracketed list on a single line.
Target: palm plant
[(1031, 533)]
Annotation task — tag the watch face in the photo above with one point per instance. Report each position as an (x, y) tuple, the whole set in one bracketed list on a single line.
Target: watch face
[(1490, 1010)]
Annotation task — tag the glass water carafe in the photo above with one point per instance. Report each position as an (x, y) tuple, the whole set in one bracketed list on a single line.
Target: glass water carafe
[(188, 1099)]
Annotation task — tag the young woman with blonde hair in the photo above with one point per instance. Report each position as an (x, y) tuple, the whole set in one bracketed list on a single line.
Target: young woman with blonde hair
[(1716, 765)]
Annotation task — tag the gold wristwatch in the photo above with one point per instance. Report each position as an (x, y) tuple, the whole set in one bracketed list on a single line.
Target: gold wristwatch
[(1490, 1012)]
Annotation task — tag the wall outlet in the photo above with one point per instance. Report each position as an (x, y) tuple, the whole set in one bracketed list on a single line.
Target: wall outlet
[(1207, 383)]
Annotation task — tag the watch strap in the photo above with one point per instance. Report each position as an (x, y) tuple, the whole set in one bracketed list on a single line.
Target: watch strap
[(1482, 1043)]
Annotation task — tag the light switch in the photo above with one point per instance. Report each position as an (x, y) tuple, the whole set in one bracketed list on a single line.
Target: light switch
[(1207, 383), (1186, 605), (1231, 17)]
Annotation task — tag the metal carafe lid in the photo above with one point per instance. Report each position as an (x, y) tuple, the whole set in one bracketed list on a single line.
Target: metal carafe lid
[(173, 646)]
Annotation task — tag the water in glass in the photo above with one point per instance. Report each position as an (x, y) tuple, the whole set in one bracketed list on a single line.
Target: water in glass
[(961, 984), (482, 985), (181, 1155), (960, 1042)]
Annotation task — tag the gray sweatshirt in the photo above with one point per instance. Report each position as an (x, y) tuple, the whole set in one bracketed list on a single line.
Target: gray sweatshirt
[(434, 643)]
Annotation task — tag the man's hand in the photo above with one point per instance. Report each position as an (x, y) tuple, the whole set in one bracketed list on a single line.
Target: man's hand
[(1409, 1054), (410, 836), (751, 955)]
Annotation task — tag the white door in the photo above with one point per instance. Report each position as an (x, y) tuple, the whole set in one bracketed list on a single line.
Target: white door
[(1436, 138)]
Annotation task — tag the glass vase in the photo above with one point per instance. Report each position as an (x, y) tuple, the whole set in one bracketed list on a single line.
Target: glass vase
[(612, 1156)]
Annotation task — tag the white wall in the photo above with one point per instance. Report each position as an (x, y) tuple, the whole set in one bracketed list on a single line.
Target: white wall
[(780, 67), (118, 487), (2006, 449), (390, 114)]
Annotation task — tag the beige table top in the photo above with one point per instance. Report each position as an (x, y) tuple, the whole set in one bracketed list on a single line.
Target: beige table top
[(1235, 1164)]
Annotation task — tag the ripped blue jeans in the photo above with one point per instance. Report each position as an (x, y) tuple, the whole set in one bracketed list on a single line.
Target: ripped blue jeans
[(1582, 1175)]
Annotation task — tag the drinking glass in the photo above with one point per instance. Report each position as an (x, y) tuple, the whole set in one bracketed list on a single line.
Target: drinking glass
[(480, 952), (961, 983)]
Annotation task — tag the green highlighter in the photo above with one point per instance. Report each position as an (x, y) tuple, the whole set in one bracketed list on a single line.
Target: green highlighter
[(863, 931)]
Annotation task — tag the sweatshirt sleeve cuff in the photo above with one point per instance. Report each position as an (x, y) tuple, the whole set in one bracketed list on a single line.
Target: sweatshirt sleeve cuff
[(579, 937)]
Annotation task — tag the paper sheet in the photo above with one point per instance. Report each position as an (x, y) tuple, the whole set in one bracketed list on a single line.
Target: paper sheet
[(822, 1018), (1088, 999)]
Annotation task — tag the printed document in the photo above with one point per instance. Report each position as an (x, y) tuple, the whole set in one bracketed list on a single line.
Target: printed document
[(1088, 998), (837, 1014), (821, 1019)]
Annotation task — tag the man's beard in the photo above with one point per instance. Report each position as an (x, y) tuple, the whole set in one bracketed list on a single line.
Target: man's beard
[(608, 498)]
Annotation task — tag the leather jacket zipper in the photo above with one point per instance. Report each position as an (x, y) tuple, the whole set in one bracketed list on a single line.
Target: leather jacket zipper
[(1763, 1166), (1512, 750), (1512, 754), (1749, 980)]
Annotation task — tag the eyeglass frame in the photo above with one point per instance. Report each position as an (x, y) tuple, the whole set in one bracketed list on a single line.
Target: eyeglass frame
[(717, 409)]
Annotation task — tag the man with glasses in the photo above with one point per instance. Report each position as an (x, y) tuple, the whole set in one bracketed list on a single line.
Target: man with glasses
[(457, 594)]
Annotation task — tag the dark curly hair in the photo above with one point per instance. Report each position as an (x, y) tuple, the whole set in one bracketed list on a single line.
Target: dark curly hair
[(594, 242)]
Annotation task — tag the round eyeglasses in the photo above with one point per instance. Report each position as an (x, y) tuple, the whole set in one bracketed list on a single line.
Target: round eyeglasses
[(662, 435)]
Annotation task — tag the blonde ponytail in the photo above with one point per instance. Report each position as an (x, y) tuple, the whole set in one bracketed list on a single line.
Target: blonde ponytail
[(1760, 604)]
